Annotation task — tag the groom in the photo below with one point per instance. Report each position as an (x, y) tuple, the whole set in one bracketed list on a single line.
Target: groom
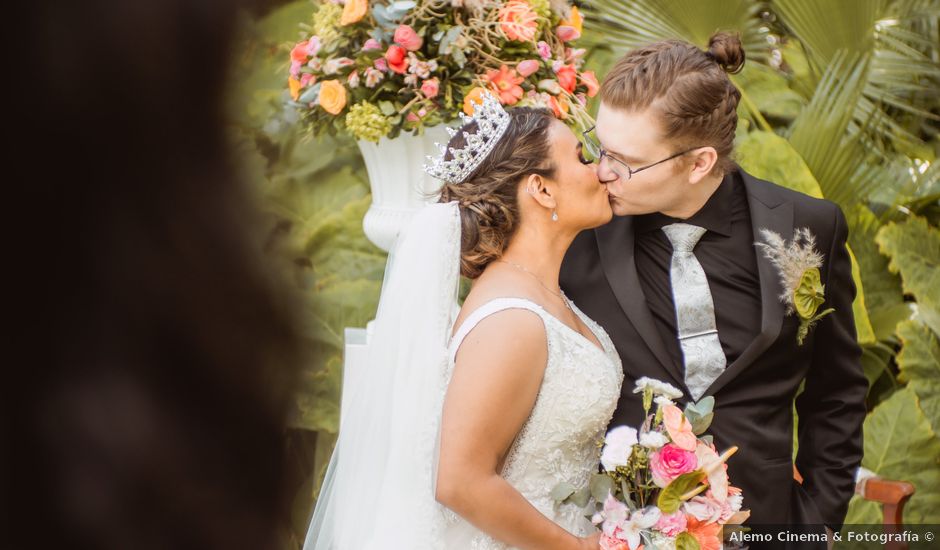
[(683, 241)]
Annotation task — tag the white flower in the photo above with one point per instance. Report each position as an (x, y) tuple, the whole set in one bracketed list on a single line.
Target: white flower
[(704, 509), (662, 401), (659, 541), (658, 387), (333, 66), (735, 501), (653, 440), (617, 447), (639, 521), (373, 77)]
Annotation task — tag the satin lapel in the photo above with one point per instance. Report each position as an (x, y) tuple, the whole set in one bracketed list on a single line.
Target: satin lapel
[(615, 243), (767, 212)]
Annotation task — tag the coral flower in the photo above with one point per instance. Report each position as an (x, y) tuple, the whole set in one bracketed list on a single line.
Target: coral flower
[(589, 79), (353, 11), (397, 59), (475, 96), (518, 21), (505, 83), (299, 53), (708, 535), (568, 77), (558, 107), (430, 88)]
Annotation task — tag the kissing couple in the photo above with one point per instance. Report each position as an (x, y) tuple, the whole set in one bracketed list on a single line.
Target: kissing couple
[(637, 249)]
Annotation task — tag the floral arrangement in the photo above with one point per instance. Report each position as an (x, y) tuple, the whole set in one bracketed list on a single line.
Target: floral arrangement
[(664, 485), (798, 263), (377, 67)]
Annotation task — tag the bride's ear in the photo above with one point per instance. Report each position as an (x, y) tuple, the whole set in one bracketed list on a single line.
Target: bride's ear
[(534, 185)]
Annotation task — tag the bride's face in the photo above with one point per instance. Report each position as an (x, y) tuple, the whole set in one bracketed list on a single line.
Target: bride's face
[(582, 200)]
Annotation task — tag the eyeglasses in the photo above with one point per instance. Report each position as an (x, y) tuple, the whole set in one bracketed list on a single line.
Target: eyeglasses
[(594, 148)]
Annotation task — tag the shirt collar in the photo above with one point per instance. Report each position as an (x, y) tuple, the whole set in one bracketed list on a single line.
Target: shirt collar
[(715, 215)]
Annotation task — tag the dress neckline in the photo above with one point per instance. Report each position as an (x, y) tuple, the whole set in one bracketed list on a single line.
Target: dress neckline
[(599, 346)]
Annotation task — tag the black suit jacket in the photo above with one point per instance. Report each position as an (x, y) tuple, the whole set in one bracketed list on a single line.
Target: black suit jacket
[(754, 396)]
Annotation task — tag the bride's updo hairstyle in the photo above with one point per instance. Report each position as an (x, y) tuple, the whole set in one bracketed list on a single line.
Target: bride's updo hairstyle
[(687, 87), (489, 209)]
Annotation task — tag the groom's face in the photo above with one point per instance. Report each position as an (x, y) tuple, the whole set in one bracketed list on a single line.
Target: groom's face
[(634, 139)]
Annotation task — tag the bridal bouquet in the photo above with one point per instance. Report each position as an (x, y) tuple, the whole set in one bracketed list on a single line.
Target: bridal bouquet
[(377, 67), (664, 485)]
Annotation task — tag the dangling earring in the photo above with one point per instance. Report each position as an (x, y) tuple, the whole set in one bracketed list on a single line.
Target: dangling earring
[(554, 216)]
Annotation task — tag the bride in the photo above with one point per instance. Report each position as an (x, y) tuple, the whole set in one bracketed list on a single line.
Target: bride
[(465, 421)]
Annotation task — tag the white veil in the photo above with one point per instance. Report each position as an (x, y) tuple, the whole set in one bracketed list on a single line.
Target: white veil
[(380, 483)]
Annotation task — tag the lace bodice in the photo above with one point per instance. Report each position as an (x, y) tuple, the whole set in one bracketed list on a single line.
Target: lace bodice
[(559, 441)]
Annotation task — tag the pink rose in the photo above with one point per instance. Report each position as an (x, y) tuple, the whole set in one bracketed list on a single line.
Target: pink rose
[(381, 64), (371, 45), (295, 68), (307, 79), (527, 67), (673, 524), (545, 51), (407, 38), (430, 87), (670, 462), (396, 58)]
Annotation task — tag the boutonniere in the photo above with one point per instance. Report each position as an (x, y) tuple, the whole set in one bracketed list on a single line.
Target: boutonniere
[(798, 263)]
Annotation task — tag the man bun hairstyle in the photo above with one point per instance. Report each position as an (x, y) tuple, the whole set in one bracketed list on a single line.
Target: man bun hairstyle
[(688, 88)]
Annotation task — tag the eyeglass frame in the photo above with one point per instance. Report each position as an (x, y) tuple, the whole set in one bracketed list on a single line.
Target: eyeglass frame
[(601, 153)]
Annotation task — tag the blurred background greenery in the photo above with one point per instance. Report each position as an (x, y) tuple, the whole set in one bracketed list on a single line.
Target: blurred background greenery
[(840, 99)]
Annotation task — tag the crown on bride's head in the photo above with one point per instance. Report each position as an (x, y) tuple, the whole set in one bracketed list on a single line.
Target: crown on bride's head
[(492, 121)]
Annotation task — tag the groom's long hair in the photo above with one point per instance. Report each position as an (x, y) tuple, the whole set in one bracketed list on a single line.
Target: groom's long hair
[(688, 88)]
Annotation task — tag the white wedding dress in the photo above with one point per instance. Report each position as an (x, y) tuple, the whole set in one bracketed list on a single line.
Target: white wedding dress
[(559, 441), (379, 489)]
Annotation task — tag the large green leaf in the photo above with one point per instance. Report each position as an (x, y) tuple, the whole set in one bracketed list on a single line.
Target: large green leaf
[(914, 249), (882, 288), (919, 362), (770, 157), (899, 444)]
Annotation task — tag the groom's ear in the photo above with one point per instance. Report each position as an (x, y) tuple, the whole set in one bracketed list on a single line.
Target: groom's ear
[(703, 160), (534, 185)]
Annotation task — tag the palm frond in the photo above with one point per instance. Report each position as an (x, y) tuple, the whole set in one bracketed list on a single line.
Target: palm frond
[(627, 24)]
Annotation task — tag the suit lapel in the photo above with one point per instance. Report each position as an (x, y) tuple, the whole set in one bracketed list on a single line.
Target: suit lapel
[(615, 241), (767, 211)]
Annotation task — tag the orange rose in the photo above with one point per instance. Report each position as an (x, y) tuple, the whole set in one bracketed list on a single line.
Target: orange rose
[(332, 96), (353, 11), (294, 86), (475, 95)]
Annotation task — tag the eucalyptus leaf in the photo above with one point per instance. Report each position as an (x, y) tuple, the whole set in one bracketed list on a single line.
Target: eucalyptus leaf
[(601, 486), (562, 491), (581, 497), (310, 95)]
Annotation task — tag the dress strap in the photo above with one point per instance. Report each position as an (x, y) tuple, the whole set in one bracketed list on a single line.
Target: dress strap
[(493, 306)]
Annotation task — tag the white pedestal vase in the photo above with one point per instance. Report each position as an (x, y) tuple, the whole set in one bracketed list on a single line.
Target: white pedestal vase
[(400, 187), (399, 184)]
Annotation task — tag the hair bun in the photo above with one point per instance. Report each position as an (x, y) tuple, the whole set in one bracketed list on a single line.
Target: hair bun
[(725, 48)]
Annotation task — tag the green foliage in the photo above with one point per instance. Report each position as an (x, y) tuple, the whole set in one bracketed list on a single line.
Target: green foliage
[(914, 249), (899, 444), (669, 498)]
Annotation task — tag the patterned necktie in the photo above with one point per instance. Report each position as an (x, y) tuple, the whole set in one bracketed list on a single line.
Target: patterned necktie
[(695, 310)]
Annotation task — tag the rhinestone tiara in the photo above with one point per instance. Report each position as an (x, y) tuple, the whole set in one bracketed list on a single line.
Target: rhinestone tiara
[(492, 121)]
